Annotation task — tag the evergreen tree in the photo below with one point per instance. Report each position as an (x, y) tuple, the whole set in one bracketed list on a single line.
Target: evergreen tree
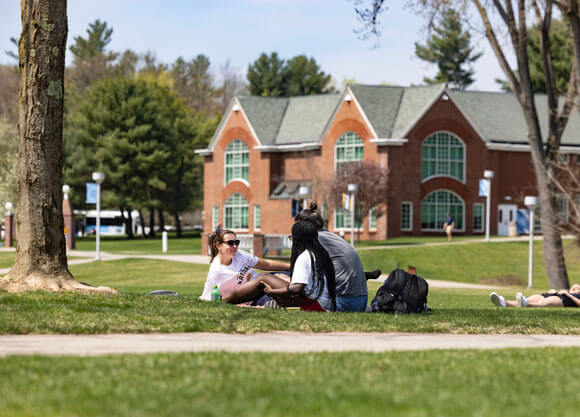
[(99, 36), (562, 55), (194, 83), (449, 48), (304, 77), (266, 76)]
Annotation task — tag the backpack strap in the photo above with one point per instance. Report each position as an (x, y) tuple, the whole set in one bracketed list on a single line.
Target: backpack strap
[(406, 289)]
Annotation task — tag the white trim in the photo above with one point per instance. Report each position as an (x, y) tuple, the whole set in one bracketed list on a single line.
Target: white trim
[(446, 176), (304, 146), (482, 217), (360, 109), (424, 111), (260, 210), (510, 147), (203, 152), (410, 229), (389, 141)]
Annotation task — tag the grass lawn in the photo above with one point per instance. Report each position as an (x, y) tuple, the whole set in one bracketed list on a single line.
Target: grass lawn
[(455, 311), (189, 244), (511, 382), (7, 259)]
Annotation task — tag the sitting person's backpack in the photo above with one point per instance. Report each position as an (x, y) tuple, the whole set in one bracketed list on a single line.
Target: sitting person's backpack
[(401, 293)]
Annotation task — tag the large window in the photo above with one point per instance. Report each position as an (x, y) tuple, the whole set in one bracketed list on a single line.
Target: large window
[(406, 216), (434, 209), (442, 154), (236, 212), (349, 148), (237, 161), (343, 218), (478, 217)]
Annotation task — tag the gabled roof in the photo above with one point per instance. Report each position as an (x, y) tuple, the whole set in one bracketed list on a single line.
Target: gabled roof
[(300, 122)]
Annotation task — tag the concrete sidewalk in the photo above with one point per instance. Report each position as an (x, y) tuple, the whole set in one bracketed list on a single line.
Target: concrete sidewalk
[(288, 342)]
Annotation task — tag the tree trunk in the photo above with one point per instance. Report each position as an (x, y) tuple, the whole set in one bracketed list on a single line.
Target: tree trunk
[(142, 224), (41, 262), (128, 221), (161, 220), (178, 232), (151, 222)]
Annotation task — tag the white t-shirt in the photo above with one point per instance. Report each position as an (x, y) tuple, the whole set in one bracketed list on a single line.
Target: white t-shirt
[(237, 273), (303, 275)]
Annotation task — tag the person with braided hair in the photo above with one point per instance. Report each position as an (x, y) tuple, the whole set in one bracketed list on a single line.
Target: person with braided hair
[(351, 279), (311, 270)]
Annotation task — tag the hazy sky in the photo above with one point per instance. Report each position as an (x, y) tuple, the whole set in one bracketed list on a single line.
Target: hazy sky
[(240, 30)]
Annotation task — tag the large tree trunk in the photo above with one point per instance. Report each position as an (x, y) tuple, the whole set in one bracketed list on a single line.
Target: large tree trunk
[(41, 252)]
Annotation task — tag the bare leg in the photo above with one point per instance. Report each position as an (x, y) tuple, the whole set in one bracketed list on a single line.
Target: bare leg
[(254, 288), (538, 300)]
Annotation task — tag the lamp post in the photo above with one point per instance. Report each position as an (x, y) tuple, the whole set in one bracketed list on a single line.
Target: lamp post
[(531, 202), (304, 192), (352, 189), (488, 175), (98, 177), (8, 224)]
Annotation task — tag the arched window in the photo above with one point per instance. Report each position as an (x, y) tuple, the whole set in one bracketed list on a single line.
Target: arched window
[(349, 148), (434, 209), (236, 212), (443, 154), (237, 161)]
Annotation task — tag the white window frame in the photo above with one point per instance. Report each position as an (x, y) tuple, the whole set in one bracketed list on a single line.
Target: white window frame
[(410, 204), (239, 166), (215, 217), (347, 228), (257, 217), (462, 210), (482, 217), (563, 215), (464, 162), (373, 214), (235, 206), (354, 146)]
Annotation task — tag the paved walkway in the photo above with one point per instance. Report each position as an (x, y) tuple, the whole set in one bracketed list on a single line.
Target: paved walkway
[(95, 345)]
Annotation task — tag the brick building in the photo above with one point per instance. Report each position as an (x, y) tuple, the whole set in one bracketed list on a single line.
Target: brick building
[(435, 144)]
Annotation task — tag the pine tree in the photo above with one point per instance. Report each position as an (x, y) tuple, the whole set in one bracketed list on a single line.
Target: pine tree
[(449, 48)]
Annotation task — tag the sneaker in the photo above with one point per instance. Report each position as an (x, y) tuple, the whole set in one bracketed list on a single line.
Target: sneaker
[(273, 304), (497, 299), (521, 300)]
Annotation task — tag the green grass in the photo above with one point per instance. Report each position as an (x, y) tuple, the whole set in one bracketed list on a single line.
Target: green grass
[(7, 259), (454, 311), (189, 244), (473, 262), (511, 382)]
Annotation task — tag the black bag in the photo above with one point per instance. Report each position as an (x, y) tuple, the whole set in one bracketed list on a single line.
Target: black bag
[(401, 293)]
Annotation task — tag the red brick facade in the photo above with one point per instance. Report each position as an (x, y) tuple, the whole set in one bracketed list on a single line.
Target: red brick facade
[(513, 179)]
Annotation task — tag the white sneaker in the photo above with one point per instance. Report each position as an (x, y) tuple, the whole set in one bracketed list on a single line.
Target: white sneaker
[(521, 300), (497, 299)]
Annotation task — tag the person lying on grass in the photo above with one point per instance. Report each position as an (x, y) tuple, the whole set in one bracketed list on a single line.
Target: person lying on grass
[(550, 299), (312, 286), (232, 267)]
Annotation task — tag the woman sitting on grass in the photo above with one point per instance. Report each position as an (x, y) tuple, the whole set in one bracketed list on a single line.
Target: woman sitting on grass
[(312, 286), (231, 267), (550, 299)]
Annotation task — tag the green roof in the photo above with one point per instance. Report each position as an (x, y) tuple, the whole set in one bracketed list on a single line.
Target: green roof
[(392, 112)]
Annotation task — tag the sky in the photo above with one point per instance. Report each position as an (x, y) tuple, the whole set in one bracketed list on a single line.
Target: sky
[(240, 30)]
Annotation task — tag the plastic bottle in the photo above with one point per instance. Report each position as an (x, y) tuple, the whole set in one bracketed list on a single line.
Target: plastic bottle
[(215, 294)]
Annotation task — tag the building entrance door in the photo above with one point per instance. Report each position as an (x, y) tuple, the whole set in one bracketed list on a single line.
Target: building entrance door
[(506, 214)]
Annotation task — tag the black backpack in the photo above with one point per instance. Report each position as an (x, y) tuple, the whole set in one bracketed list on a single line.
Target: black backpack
[(401, 293)]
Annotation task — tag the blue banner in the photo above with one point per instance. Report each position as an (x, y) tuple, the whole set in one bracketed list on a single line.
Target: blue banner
[(484, 188), (91, 193)]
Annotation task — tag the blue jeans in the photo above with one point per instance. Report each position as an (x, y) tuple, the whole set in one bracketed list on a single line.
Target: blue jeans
[(357, 303)]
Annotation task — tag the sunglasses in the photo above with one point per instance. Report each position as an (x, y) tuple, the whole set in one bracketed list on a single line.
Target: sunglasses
[(233, 242)]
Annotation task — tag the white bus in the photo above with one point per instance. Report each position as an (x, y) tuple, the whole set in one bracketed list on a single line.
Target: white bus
[(112, 223)]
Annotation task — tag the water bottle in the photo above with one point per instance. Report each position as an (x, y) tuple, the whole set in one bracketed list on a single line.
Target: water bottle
[(215, 294)]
